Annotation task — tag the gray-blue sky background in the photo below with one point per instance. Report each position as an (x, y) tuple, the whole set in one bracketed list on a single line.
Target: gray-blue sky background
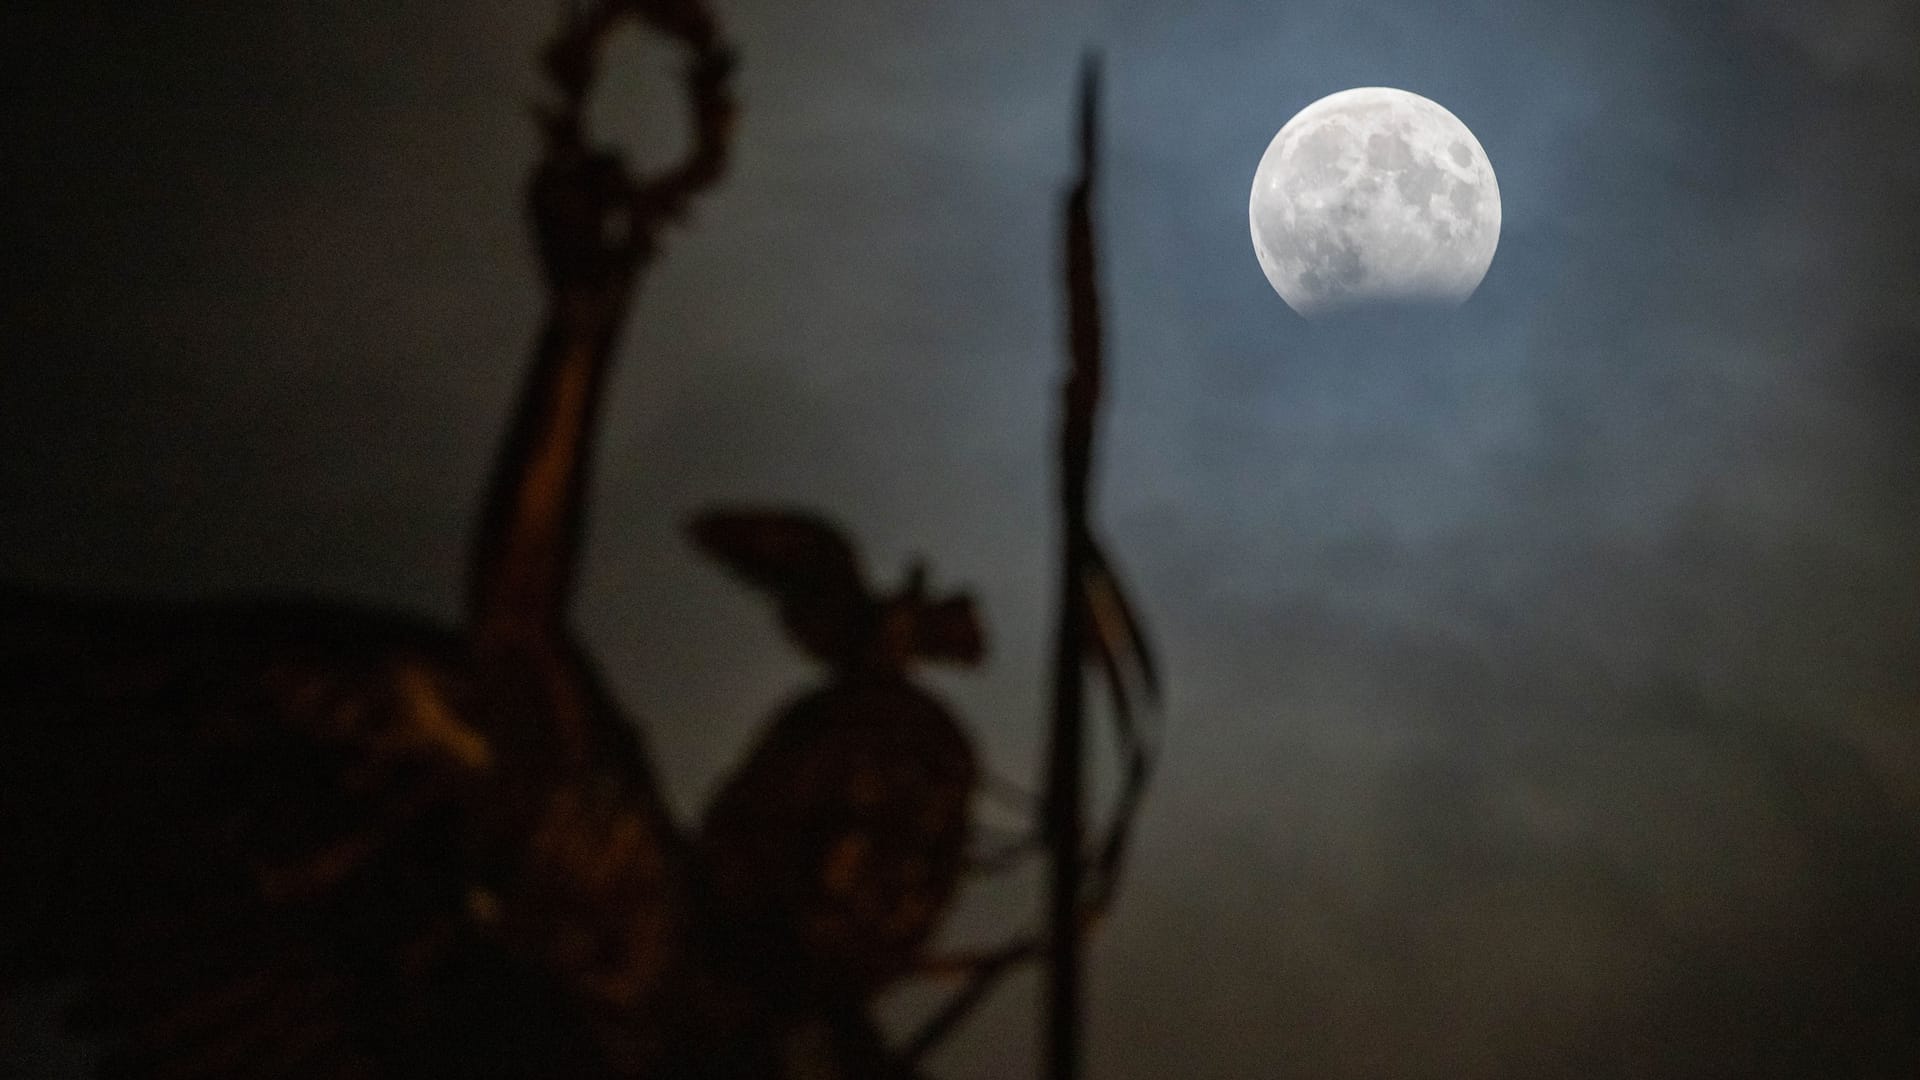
[(1544, 684)]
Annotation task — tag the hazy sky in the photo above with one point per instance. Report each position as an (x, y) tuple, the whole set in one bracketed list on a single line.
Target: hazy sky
[(1544, 686)]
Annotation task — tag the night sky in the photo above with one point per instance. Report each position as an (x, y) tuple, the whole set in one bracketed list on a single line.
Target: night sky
[(1543, 685)]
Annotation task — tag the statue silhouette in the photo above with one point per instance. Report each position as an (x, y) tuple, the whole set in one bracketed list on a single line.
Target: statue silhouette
[(302, 838)]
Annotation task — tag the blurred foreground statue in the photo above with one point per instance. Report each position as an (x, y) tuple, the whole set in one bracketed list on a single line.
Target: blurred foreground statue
[(293, 838)]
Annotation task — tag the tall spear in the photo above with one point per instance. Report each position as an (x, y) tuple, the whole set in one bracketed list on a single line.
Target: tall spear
[(1098, 625), (1065, 811)]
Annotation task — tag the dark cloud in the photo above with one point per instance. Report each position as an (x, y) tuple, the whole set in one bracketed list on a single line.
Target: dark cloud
[(1871, 40), (1544, 688)]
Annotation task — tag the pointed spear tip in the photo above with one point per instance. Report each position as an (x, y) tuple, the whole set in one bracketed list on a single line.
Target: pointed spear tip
[(1089, 107)]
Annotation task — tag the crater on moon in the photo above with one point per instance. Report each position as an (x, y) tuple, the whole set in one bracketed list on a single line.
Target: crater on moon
[(1370, 195)]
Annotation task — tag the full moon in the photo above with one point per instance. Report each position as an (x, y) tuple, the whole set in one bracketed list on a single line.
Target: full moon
[(1374, 195)]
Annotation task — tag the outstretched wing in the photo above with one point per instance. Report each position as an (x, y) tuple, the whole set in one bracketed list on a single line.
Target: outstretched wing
[(301, 841), (789, 553), (808, 566)]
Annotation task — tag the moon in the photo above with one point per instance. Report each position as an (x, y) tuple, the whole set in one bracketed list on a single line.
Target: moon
[(1374, 195)]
